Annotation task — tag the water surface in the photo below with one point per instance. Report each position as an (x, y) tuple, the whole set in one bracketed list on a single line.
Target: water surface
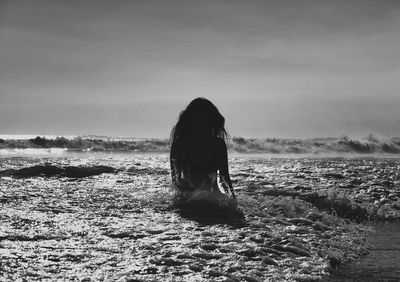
[(383, 261)]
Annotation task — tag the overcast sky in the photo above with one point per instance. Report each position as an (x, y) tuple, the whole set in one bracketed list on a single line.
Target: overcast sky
[(284, 68)]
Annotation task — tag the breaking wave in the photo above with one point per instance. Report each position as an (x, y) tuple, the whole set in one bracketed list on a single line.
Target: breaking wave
[(32, 151), (369, 145), (57, 145)]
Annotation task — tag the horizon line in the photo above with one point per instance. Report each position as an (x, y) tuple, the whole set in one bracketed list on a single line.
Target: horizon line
[(87, 136)]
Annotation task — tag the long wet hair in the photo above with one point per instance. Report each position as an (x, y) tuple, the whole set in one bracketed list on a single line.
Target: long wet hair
[(200, 110)]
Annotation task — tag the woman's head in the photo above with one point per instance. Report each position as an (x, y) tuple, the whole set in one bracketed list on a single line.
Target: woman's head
[(201, 117)]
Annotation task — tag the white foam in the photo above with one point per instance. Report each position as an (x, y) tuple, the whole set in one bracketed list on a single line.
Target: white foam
[(32, 152)]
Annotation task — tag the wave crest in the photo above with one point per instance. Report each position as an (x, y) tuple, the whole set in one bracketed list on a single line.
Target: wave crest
[(369, 145)]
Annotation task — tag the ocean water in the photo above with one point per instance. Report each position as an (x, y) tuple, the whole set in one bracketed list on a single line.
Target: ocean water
[(316, 146), (383, 260), (109, 216)]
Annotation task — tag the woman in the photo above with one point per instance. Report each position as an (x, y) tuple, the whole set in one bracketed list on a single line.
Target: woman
[(198, 151)]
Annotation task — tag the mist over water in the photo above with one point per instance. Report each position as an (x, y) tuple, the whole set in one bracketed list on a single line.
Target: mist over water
[(51, 144)]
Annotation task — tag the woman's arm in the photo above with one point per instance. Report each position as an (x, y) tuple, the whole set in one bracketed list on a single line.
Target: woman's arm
[(176, 168), (225, 180)]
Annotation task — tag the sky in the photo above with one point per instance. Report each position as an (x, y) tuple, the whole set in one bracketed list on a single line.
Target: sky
[(274, 68)]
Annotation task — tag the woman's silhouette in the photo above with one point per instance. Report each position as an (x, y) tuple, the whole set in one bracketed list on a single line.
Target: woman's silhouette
[(198, 151)]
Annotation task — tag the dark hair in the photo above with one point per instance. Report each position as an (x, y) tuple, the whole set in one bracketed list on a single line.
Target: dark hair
[(199, 115)]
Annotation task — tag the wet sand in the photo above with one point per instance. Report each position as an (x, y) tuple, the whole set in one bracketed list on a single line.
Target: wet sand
[(120, 225)]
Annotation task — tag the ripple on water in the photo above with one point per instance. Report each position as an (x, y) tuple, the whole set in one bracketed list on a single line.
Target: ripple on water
[(383, 261), (121, 226)]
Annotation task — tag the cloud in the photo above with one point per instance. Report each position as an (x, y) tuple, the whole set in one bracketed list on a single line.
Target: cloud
[(94, 54)]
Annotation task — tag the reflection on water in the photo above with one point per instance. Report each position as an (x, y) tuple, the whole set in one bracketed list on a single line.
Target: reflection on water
[(108, 216), (383, 261)]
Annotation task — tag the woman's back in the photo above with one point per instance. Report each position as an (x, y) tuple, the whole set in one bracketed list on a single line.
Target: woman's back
[(199, 161), (198, 149)]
